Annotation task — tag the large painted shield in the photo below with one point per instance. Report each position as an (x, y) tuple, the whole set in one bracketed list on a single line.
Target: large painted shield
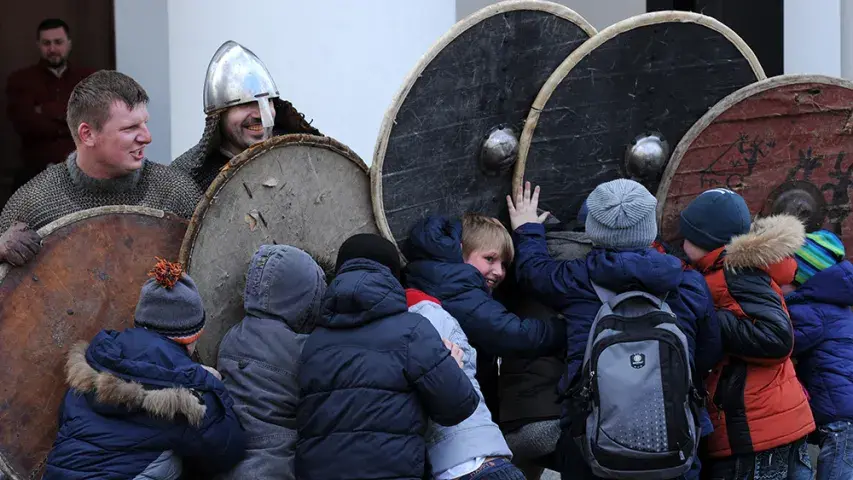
[(472, 89), (784, 143), (86, 278), (640, 83), (302, 190)]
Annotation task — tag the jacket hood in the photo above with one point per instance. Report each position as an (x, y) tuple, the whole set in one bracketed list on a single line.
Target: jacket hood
[(363, 291), (117, 371), (770, 240), (284, 283), (435, 238), (833, 285), (643, 269)]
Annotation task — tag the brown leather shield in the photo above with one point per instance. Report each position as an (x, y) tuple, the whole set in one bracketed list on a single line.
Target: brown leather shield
[(480, 77), (655, 73), (302, 190), (784, 144), (86, 278)]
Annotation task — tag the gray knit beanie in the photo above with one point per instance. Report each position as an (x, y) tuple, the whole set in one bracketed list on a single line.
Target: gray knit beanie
[(170, 305), (621, 215)]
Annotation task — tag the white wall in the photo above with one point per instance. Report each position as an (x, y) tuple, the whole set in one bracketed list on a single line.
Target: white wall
[(600, 13), (813, 36), (339, 62), (142, 51)]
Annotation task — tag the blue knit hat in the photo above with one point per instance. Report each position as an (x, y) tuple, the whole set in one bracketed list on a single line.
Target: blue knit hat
[(821, 251), (621, 215), (170, 305), (582, 213), (714, 217)]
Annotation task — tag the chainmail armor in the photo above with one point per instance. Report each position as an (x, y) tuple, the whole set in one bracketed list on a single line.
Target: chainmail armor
[(203, 161), (64, 188)]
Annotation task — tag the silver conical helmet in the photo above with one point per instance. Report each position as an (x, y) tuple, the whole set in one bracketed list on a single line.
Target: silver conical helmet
[(236, 76)]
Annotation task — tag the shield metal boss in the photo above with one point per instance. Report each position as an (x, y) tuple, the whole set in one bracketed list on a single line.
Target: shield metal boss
[(302, 190), (86, 278), (784, 144), (654, 74), (450, 138)]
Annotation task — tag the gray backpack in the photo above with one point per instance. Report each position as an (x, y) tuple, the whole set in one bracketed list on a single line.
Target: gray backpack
[(641, 415)]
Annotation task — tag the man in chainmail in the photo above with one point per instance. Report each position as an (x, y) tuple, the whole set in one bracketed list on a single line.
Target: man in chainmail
[(107, 116), (242, 108)]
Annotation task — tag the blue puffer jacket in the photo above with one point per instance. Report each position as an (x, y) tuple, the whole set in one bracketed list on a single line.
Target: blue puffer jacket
[(372, 374), (436, 267), (823, 341), (565, 286), (139, 407)]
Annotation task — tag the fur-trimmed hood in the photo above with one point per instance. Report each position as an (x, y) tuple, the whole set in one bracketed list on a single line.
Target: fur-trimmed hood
[(769, 241), (108, 389)]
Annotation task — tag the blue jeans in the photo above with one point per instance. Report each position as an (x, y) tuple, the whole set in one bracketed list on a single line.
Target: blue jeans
[(786, 462), (836, 451), (495, 469)]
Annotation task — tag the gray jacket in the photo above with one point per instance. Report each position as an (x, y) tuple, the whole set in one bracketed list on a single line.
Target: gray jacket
[(477, 436), (259, 357)]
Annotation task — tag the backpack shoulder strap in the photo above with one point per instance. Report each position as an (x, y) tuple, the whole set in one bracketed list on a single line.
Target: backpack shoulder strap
[(612, 299)]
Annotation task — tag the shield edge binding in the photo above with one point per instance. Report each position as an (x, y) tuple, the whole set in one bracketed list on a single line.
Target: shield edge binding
[(460, 27), (244, 158), (91, 213), (723, 106), (643, 20)]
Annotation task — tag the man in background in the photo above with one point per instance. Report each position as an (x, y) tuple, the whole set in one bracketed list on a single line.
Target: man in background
[(38, 96)]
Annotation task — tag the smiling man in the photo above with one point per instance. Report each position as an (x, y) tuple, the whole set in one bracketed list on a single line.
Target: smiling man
[(107, 117), (37, 98), (242, 107)]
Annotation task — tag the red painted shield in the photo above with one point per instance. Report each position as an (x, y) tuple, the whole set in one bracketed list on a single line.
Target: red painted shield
[(86, 278), (784, 133)]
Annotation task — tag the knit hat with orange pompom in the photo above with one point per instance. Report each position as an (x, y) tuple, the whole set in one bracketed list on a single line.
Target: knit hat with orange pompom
[(170, 305)]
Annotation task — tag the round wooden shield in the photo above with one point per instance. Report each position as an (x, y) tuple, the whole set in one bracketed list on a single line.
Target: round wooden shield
[(481, 75), (302, 190), (791, 134), (656, 72), (86, 278)]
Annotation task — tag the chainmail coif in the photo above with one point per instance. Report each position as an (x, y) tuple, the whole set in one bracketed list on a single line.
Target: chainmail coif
[(203, 161), (64, 188)]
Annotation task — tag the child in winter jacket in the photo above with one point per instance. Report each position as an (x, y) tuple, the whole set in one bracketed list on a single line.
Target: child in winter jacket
[(760, 412), (259, 357), (474, 449), (622, 226), (819, 301), (372, 374), (138, 406)]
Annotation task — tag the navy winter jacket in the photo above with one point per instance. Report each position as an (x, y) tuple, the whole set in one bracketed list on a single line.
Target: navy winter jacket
[(436, 267), (139, 407), (371, 375), (823, 341), (565, 286)]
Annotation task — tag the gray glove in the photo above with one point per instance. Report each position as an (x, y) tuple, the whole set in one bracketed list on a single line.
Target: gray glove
[(19, 244)]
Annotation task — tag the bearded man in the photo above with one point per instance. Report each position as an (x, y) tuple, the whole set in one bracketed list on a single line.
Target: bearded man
[(242, 107)]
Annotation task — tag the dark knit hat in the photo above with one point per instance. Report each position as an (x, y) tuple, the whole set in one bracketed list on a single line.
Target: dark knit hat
[(372, 247), (621, 215), (822, 250), (170, 305), (582, 213), (714, 217)]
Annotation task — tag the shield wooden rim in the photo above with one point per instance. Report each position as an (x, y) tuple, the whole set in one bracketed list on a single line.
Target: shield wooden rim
[(599, 39), (83, 215), (244, 158), (458, 29), (71, 218), (723, 106)]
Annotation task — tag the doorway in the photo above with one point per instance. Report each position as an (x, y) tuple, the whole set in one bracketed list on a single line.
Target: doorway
[(93, 35)]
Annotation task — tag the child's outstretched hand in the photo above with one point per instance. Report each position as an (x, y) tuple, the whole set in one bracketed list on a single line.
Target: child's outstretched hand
[(455, 351), (524, 209)]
